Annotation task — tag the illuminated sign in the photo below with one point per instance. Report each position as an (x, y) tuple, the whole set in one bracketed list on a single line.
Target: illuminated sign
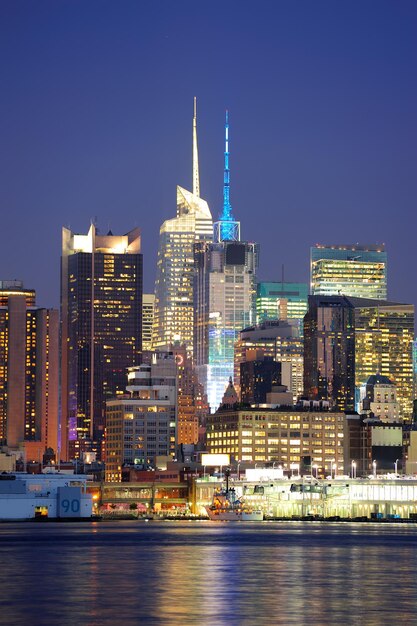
[(215, 459)]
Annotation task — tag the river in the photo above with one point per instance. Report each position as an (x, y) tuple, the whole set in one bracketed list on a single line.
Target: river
[(209, 573)]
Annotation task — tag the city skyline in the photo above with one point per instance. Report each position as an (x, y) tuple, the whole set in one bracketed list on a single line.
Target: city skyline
[(324, 132)]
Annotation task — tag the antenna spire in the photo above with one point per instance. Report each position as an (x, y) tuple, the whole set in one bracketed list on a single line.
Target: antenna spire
[(227, 227), (196, 174)]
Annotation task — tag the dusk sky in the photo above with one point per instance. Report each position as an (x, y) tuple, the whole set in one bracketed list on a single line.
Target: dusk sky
[(96, 123)]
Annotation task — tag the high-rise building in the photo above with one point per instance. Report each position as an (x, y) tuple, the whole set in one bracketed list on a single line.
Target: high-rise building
[(174, 295), (281, 300), (353, 270), (141, 425), (384, 333), (101, 316), (347, 340), (29, 366), (257, 378), (225, 287), (148, 303), (279, 339)]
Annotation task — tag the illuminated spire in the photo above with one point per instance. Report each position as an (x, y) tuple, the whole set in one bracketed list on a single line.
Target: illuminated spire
[(227, 229), (196, 175)]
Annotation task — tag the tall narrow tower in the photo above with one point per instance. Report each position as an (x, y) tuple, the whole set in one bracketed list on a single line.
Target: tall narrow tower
[(225, 279), (227, 228), (174, 290)]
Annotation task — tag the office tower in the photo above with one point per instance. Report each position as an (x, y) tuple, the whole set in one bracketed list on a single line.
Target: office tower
[(29, 349), (346, 340), (291, 437), (280, 340), (257, 378), (384, 333), (148, 302), (192, 400), (141, 425), (354, 270), (281, 300), (225, 283), (173, 313), (329, 351), (99, 341)]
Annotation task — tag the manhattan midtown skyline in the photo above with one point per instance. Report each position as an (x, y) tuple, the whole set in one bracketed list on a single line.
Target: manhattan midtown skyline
[(96, 125)]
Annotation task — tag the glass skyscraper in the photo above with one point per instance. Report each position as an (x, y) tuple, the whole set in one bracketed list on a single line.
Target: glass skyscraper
[(224, 296), (101, 312), (347, 340), (174, 299), (281, 300), (353, 270)]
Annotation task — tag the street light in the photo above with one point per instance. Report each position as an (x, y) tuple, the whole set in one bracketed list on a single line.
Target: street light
[(374, 468), (396, 466), (238, 469), (353, 469)]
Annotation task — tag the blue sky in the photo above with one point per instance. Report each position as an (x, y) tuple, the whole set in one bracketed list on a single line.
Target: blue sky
[(96, 118)]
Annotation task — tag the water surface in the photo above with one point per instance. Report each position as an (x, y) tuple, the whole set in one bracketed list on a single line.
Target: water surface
[(209, 573)]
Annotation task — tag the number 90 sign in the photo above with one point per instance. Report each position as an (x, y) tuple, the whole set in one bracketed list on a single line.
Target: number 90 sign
[(69, 502)]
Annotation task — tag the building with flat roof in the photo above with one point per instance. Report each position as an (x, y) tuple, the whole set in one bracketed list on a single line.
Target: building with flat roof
[(297, 438), (352, 270), (279, 339), (142, 424), (29, 369), (347, 340), (281, 300)]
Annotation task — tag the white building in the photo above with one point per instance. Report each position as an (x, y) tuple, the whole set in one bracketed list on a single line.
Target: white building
[(55, 495)]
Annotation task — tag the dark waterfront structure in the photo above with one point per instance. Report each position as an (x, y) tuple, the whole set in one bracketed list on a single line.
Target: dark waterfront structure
[(257, 378), (346, 340), (101, 309), (29, 348)]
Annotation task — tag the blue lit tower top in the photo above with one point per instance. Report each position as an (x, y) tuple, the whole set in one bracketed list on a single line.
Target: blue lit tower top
[(227, 228)]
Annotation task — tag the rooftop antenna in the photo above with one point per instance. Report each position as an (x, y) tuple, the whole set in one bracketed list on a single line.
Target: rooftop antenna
[(227, 228), (196, 174)]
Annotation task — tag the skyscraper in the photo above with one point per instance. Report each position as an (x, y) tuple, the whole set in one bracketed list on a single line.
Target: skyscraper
[(101, 315), (347, 340), (173, 313), (281, 300), (225, 284), (354, 270), (29, 348)]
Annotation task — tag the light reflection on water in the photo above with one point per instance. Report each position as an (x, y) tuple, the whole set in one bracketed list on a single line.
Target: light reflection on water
[(212, 573)]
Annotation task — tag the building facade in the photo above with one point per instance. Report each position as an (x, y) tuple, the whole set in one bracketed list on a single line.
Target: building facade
[(347, 340), (257, 378), (29, 366), (295, 439), (174, 285), (351, 270), (101, 312), (279, 339), (148, 303), (225, 285), (281, 300), (142, 425)]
